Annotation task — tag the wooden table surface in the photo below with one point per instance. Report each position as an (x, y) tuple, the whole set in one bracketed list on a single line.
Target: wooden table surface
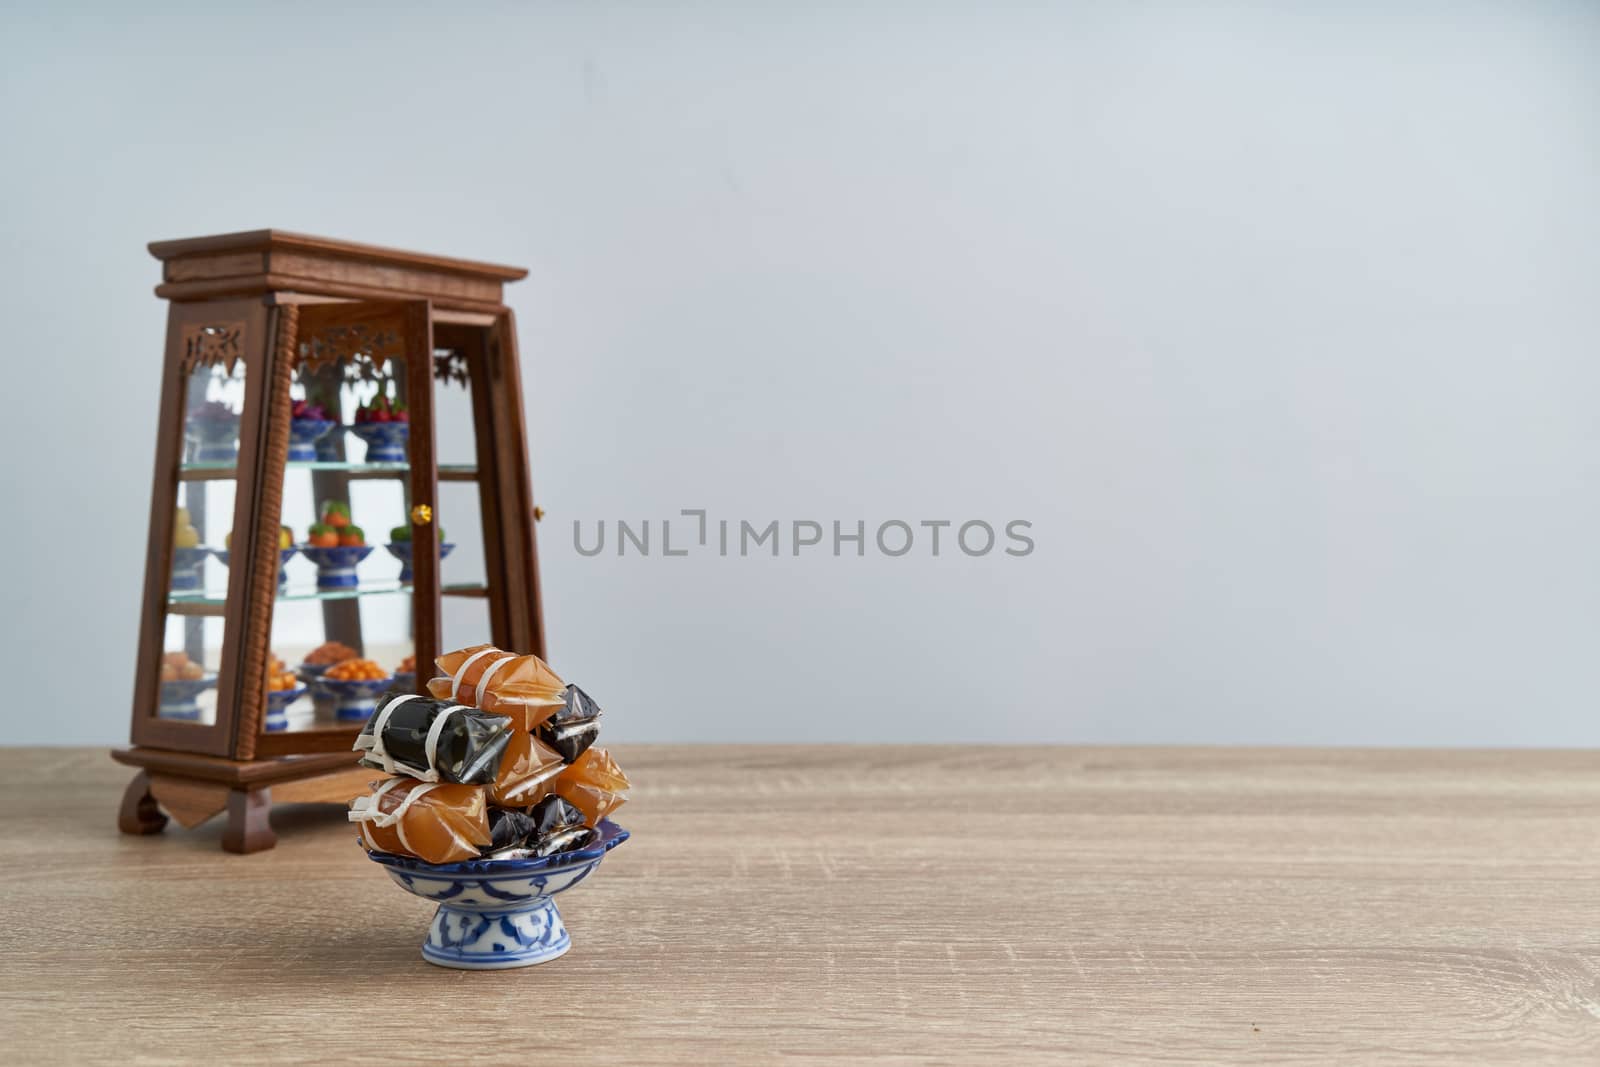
[(893, 905)]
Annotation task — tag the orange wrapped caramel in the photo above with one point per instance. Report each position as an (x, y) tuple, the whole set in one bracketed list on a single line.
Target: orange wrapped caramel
[(527, 706), (471, 674), (433, 821), (527, 771), (593, 784)]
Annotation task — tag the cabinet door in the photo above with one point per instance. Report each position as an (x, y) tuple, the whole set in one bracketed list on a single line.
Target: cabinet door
[(215, 388), (489, 573), (356, 607)]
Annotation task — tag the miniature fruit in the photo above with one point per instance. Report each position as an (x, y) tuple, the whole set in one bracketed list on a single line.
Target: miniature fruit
[(407, 666), (177, 666), (335, 513), (356, 670), (214, 412), (402, 534), (279, 677), (227, 540), (184, 535), (330, 652), (321, 535), (352, 537), (382, 409), (285, 537), (305, 409)]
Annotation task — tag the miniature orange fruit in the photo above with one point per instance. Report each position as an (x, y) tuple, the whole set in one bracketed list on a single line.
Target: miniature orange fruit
[(330, 652), (356, 670)]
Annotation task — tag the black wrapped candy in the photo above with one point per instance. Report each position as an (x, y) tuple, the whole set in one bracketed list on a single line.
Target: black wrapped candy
[(508, 828), (574, 726), (433, 740), (557, 827)]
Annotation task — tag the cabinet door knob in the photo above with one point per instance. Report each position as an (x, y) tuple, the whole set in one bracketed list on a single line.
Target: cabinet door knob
[(538, 514), (422, 514)]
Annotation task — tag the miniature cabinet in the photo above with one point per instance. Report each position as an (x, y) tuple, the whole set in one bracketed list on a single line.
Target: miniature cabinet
[(306, 380)]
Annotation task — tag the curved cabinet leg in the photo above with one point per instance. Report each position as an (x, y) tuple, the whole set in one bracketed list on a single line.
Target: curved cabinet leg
[(249, 829), (139, 813)]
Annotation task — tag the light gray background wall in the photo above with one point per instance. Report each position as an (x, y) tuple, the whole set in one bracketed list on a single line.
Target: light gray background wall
[(1279, 325)]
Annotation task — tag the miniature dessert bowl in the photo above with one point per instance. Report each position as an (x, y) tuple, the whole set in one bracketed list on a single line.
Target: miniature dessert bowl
[(401, 550), (498, 914), (213, 428), (188, 568), (303, 436), (180, 697), (278, 701), (336, 564), (386, 441), (284, 556), (353, 699)]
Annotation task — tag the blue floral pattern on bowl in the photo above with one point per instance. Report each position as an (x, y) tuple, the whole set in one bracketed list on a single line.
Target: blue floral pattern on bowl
[(188, 569), (497, 914), (178, 697), (386, 441), (401, 550), (336, 567), (303, 435), (278, 701), (216, 441), (406, 680), (353, 700), (284, 556)]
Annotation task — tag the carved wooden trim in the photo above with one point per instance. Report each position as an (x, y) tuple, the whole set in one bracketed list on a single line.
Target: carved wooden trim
[(452, 366), (264, 544), (371, 345), (209, 343)]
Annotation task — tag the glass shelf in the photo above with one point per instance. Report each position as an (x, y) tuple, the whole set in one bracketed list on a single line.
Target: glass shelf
[(219, 597), (220, 470)]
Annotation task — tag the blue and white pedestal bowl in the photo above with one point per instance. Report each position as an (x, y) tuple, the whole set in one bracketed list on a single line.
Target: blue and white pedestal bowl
[(215, 442), (401, 550), (353, 701), (303, 435), (284, 556), (386, 441), (405, 681), (321, 699), (189, 569), (336, 567), (278, 701), (178, 698), (498, 914)]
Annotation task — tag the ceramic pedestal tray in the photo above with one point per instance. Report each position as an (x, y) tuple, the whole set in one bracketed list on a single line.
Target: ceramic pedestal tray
[(497, 914)]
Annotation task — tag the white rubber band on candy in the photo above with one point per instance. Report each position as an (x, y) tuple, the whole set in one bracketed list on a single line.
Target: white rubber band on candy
[(461, 671), (488, 672), (431, 747), (374, 745), (365, 810)]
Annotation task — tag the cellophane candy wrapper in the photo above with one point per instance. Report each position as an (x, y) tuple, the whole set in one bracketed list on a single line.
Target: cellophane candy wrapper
[(557, 827), (593, 784), (471, 674), (436, 822), (525, 705), (574, 726), (433, 740), (508, 828), (527, 772)]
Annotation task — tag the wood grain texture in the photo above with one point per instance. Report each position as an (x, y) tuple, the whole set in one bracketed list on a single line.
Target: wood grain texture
[(885, 905)]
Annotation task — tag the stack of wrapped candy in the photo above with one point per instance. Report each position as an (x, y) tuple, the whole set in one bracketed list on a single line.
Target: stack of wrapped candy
[(497, 762)]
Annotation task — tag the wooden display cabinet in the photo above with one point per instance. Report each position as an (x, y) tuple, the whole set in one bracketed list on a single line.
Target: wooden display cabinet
[(258, 321)]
